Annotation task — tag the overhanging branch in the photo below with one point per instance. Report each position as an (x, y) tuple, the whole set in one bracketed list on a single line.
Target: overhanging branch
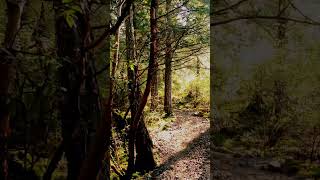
[(113, 29), (264, 17)]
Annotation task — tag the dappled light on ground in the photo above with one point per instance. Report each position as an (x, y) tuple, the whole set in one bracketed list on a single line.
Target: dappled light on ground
[(183, 148)]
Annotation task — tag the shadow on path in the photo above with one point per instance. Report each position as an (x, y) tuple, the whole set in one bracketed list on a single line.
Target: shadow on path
[(202, 141)]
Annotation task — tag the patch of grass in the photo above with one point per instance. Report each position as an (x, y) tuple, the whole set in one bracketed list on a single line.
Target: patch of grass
[(156, 120), (228, 143)]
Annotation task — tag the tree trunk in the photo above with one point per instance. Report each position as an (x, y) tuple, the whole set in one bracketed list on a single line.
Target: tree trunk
[(168, 66), (54, 162), (98, 156), (69, 43), (116, 44), (144, 159), (14, 13), (154, 90), (155, 81), (79, 103), (138, 134), (132, 84), (105, 171), (100, 147), (197, 93), (198, 66)]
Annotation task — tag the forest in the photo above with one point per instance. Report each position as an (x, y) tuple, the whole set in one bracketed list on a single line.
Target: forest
[(98, 89), (150, 89), (265, 89)]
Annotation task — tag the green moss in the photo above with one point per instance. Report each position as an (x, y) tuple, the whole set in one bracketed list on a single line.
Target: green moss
[(228, 143)]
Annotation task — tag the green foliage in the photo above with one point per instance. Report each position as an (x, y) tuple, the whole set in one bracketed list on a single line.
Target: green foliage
[(70, 18), (66, 1), (273, 111), (194, 94), (157, 120), (198, 91), (190, 90), (69, 11), (36, 92)]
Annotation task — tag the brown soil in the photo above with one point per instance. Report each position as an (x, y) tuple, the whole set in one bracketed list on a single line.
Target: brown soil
[(183, 148)]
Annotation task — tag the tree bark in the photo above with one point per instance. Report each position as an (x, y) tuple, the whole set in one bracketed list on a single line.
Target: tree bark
[(144, 159), (69, 43), (54, 162), (79, 103), (98, 156), (154, 90), (168, 66), (155, 81), (147, 162), (100, 147), (132, 81), (14, 13), (105, 170)]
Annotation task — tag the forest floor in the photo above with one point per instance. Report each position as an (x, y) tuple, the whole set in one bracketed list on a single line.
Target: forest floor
[(228, 167), (183, 148), (183, 152)]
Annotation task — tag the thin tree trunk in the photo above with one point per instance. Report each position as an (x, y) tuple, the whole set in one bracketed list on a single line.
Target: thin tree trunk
[(168, 66), (132, 84), (105, 171), (198, 66), (98, 157), (155, 79), (69, 45), (143, 100), (154, 90), (197, 87), (100, 147), (14, 13), (79, 108), (54, 162), (57, 157), (117, 44), (144, 160)]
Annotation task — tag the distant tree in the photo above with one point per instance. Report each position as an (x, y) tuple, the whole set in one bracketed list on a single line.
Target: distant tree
[(168, 64)]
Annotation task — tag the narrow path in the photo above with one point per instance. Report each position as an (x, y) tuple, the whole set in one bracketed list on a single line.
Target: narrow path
[(184, 153), (183, 148)]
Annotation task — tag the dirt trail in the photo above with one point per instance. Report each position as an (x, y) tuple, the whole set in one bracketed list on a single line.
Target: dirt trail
[(183, 148), (184, 153)]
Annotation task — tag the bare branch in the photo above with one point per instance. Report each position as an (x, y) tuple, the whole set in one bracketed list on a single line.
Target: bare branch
[(263, 17), (229, 7), (113, 29)]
